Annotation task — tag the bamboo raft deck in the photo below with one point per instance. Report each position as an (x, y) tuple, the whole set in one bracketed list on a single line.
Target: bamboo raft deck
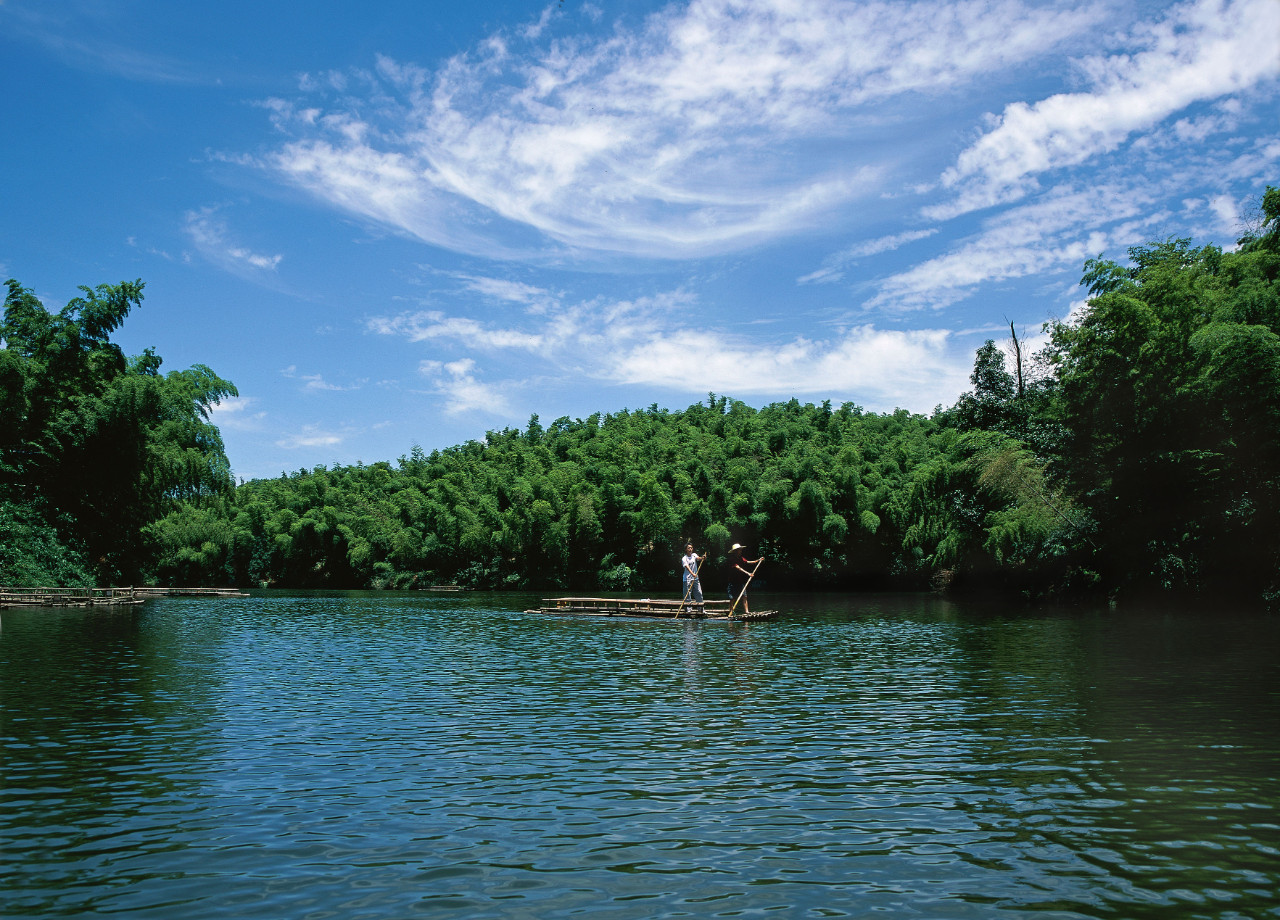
[(101, 597), (191, 592), (647, 607), (69, 597)]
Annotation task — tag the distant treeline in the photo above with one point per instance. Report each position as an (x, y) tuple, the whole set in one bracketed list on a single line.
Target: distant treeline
[(1137, 453)]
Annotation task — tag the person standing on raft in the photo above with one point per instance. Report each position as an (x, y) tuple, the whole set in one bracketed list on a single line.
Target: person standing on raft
[(739, 575), (690, 563)]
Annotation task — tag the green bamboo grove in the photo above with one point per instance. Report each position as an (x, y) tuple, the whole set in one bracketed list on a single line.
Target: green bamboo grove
[(1138, 453)]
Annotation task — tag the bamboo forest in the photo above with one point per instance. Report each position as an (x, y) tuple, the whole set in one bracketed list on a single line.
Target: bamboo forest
[(1137, 453)]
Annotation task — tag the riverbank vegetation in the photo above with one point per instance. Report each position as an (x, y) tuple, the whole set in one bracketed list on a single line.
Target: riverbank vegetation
[(1138, 452), (95, 447)]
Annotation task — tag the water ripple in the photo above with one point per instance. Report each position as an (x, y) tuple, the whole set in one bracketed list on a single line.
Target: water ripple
[(374, 755)]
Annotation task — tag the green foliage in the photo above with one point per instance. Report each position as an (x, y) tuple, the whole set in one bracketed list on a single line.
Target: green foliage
[(1139, 451), (95, 446), (834, 497), (602, 503), (33, 555), (1169, 392)]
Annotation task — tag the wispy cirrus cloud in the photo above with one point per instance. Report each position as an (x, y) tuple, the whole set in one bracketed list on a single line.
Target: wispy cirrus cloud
[(103, 47), (211, 237), (710, 127), (427, 325), (317, 383), (833, 266), (310, 436), (648, 342), (1199, 51), (506, 291), (1056, 232), (550, 328), (238, 413), (1130, 200)]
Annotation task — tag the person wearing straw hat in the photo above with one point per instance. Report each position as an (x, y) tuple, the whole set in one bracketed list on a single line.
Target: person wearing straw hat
[(739, 575)]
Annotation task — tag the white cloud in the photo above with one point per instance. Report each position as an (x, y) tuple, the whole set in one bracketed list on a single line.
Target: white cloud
[(1056, 232), (1224, 208), (832, 266), (552, 331), (714, 126), (877, 368), (616, 343), (428, 325), (309, 436), (504, 289), (317, 383), (210, 235), (132, 242), (237, 413), (1201, 51), (1195, 130), (461, 390)]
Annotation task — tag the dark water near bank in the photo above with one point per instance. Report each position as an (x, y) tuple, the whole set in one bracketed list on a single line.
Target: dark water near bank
[(384, 756)]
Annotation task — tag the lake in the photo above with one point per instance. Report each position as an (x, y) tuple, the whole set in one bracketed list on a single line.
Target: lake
[(386, 755)]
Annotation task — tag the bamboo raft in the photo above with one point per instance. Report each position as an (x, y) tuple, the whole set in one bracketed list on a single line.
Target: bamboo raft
[(191, 592), (101, 597), (69, 597), (647, 607)]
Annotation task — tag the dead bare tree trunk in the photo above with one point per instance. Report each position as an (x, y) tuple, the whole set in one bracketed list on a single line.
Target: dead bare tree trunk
[(1017, 358)]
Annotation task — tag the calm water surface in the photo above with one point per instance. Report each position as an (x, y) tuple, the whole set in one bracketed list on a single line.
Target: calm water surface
[(406, 755)]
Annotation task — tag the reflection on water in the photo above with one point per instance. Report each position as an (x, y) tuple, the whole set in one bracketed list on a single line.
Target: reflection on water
[(375, 755)]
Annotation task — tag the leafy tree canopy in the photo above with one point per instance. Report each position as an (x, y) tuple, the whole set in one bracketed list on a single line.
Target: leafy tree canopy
[(94, 446)]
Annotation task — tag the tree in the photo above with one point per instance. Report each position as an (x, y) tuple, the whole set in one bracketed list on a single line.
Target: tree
[(1168, 388), (102, 446), (989, 405)]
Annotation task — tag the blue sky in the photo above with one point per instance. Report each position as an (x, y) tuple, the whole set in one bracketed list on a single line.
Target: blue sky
[(404, 223)]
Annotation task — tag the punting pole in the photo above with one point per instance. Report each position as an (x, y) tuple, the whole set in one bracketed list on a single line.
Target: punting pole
[(759, 562)]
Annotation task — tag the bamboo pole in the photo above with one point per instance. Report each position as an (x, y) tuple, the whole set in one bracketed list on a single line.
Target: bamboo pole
[(759, 562), (689, 590)]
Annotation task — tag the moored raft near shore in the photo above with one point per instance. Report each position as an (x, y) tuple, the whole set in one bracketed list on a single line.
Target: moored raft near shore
[(647, 607), (69, 597), (101, 597)]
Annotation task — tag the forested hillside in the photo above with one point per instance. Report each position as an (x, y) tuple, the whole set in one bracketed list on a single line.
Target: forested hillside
[(832, 496), (1138, 453)]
